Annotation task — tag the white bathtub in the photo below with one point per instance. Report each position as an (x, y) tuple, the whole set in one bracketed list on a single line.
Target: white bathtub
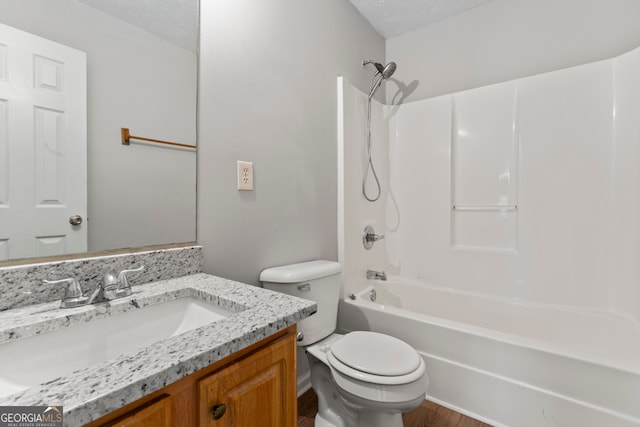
[(509, 363)]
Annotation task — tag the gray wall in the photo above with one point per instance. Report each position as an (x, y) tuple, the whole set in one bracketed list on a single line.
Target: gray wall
[(267, 94), (508, 39)]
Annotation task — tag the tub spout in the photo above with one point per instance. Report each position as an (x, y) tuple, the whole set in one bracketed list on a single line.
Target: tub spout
[(376, 275)]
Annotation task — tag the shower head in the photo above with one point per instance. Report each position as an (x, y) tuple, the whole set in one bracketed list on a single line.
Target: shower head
[(388, 70), (383, 73), (385, 70)]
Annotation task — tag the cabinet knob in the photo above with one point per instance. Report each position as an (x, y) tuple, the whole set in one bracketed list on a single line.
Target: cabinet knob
[(218, 410)]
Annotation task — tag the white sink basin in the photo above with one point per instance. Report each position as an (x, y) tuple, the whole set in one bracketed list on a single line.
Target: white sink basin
[(35, 360)]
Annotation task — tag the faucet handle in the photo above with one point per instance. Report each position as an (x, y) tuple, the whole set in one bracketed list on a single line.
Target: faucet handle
[(124, 288), (73, 295), (369, 237), (372, 237)]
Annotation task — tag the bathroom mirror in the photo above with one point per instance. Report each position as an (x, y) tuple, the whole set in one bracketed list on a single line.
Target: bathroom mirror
[(141, 72)]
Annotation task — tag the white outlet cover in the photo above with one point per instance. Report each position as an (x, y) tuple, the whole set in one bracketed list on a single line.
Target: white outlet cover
[(245, 175)]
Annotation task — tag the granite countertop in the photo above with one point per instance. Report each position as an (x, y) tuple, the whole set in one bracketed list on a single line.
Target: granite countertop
[(88, 394)]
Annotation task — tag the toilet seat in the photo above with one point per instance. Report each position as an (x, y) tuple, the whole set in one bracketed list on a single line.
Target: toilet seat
[(375, 358)]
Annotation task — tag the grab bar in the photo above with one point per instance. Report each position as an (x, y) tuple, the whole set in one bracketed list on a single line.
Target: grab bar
[(497, 208)]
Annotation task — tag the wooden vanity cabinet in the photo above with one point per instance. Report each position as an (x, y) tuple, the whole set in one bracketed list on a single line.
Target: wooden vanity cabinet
[(154, 414), (251, 392), (253, 387)]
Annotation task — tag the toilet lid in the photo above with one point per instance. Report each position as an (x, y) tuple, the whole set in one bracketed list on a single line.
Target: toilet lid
[(376, 354)]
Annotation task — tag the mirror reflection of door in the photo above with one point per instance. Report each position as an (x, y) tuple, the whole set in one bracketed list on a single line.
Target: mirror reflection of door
[(43, 152)]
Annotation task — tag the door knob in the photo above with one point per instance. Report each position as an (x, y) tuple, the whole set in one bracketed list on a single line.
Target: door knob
[(75, 220)]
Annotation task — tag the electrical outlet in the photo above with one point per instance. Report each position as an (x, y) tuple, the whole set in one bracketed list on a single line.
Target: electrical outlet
[(245, 175)]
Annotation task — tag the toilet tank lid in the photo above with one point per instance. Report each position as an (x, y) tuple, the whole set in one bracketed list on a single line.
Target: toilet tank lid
[(300, 272)]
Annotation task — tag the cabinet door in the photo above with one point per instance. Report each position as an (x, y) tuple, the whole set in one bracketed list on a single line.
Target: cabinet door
[(155, 414), (258, 390)]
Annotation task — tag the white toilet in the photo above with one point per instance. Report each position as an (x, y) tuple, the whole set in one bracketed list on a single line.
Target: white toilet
[(363, 379)]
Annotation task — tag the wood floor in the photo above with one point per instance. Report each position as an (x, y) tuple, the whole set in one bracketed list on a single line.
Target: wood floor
[(427, 415)]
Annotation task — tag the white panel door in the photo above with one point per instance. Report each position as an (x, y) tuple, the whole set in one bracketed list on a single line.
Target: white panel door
[(43, 153)]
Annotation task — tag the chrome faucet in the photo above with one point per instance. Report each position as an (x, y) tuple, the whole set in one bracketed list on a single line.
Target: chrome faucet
[(111, 287), (376, 275), (105, 290)]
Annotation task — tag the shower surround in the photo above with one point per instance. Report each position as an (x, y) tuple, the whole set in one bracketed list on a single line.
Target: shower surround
[(524, 194)]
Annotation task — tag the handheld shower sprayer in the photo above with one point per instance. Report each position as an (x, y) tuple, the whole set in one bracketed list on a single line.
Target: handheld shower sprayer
[(383, 72), (386, 70)]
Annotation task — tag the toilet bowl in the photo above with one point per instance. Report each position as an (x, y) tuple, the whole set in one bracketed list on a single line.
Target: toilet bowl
[(374, 387), (361, 378)]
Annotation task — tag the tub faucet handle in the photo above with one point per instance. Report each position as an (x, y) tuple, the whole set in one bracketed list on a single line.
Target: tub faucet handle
[(369, 237), (374, 237)]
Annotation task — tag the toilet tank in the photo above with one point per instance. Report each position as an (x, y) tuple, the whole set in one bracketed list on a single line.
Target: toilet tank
[(318, 281)]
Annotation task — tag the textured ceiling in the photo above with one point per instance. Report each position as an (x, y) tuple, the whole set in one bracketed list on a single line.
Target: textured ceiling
[(175, 21), (394, 17)]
